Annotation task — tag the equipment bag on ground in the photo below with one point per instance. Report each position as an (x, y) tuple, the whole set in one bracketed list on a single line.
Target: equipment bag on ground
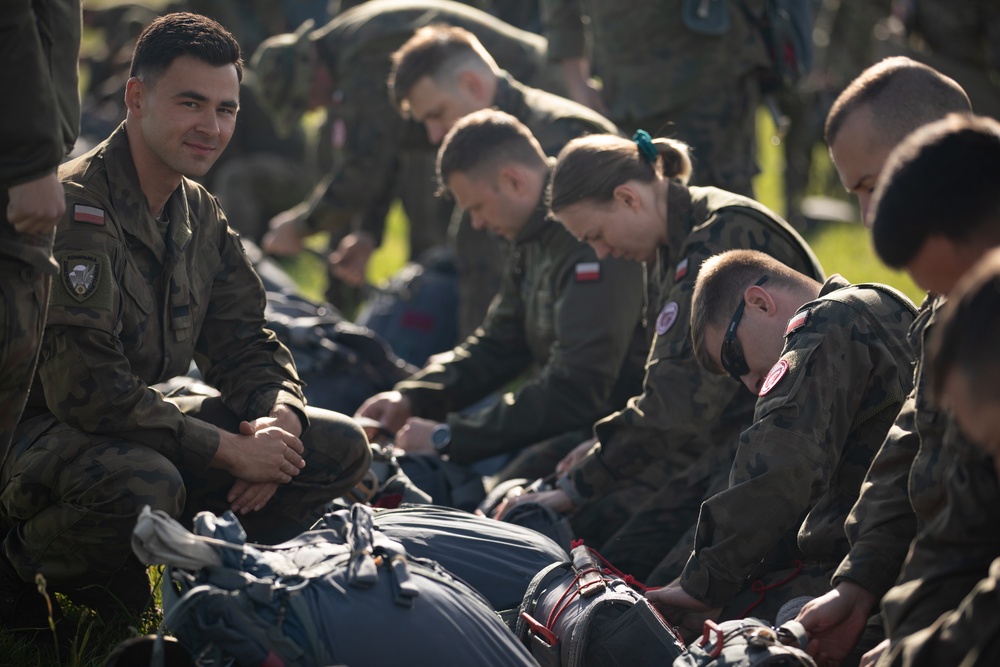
[(577, 614), (499, 560), (748, 642), (350, 597)]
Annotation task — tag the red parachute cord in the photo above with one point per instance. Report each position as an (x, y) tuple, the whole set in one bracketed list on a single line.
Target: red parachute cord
[(761, 588)]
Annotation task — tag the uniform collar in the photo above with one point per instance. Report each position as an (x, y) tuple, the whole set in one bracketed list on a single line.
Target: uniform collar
[(680, 222), (834, 283), (536, 225), (130, 203)]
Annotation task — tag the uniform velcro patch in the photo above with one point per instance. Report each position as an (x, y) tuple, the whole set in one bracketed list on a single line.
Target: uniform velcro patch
[(89, 214), (84, 280), (797, 322), (588, 272), (778, 371), (681, 269)]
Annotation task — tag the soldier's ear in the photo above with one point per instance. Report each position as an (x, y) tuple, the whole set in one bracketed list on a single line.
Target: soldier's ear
[(760, 301), (134, 91), (627, 196), (473, 84)]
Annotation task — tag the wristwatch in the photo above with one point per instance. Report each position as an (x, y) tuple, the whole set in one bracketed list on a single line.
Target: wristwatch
[(441, 438)]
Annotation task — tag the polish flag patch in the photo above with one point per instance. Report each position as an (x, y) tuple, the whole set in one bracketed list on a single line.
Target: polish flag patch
[(88, 214), (797, 322), (681, 270), (778, 371), (588, 272)]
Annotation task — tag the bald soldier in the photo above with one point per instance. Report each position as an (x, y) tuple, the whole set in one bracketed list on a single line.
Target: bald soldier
[(343, 66), (871, 117), (830, 367), (442, 73)]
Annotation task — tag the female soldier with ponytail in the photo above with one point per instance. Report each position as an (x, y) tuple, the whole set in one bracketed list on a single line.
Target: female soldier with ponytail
[(630, 198)]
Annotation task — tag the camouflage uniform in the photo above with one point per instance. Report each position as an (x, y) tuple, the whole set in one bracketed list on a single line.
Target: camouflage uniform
[(926, 482), (843, 374), (554, 121), (41, 122), (573, 319), (684, 411), (135, 302), (356, 47), (665, 78), (966, 636)]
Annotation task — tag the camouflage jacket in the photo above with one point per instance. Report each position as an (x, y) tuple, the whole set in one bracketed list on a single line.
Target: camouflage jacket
[(685, 410), (650, 62), (356, 46), (133, 306), (966, 636), (823, 412), (954, 549), (575, 320), (41, 45), (930, 485), (884, 520)]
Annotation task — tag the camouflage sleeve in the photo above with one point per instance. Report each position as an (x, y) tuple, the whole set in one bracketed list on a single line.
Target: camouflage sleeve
[(594, 326), (88, 382), (679, 399), (882, 524), (784, 462), (496, 353), (33, 136), (954, 551), (564, 29), (970, 630), (235, 352)]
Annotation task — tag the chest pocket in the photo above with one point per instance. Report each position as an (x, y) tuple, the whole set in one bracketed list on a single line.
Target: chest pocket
[(137, 319)]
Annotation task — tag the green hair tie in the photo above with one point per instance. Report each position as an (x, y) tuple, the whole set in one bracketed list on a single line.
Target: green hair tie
[(646, 147)]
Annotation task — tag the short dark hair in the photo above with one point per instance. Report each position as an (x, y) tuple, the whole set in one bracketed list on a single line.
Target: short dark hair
[(183, 34), (589, 168), (941, 180), (483, 139), (966, 338), (902, 95), (432, 51), (719, 287)]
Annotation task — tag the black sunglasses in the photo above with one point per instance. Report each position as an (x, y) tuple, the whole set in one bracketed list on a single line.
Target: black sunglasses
[(733, 361)]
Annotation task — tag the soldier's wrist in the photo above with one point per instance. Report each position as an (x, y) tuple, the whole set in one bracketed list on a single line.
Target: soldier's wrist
[(565, 484)]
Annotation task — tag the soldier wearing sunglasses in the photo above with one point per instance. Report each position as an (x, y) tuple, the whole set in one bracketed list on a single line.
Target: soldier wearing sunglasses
[(830, 365)]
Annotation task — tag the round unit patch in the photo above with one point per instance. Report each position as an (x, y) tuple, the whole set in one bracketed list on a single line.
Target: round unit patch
[(773, 377), (666, 318)]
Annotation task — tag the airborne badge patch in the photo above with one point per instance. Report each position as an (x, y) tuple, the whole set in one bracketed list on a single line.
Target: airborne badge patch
[(81, 274)]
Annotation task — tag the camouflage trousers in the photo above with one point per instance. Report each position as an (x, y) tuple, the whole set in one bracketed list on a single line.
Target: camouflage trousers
[(655, 542), (24, 298), (69, 499), (720, 128)]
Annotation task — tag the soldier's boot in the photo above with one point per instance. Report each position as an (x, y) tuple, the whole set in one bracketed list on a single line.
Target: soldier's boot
[(121, 599), (23, 609)]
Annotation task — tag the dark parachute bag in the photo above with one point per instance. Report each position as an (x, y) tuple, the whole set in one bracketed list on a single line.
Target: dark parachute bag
[(416, 313), (499, 560), (537, 516), (343, 593), (748, 642), (580, 615)]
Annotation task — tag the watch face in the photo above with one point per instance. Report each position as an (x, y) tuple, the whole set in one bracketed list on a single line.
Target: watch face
[(441, 436)]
